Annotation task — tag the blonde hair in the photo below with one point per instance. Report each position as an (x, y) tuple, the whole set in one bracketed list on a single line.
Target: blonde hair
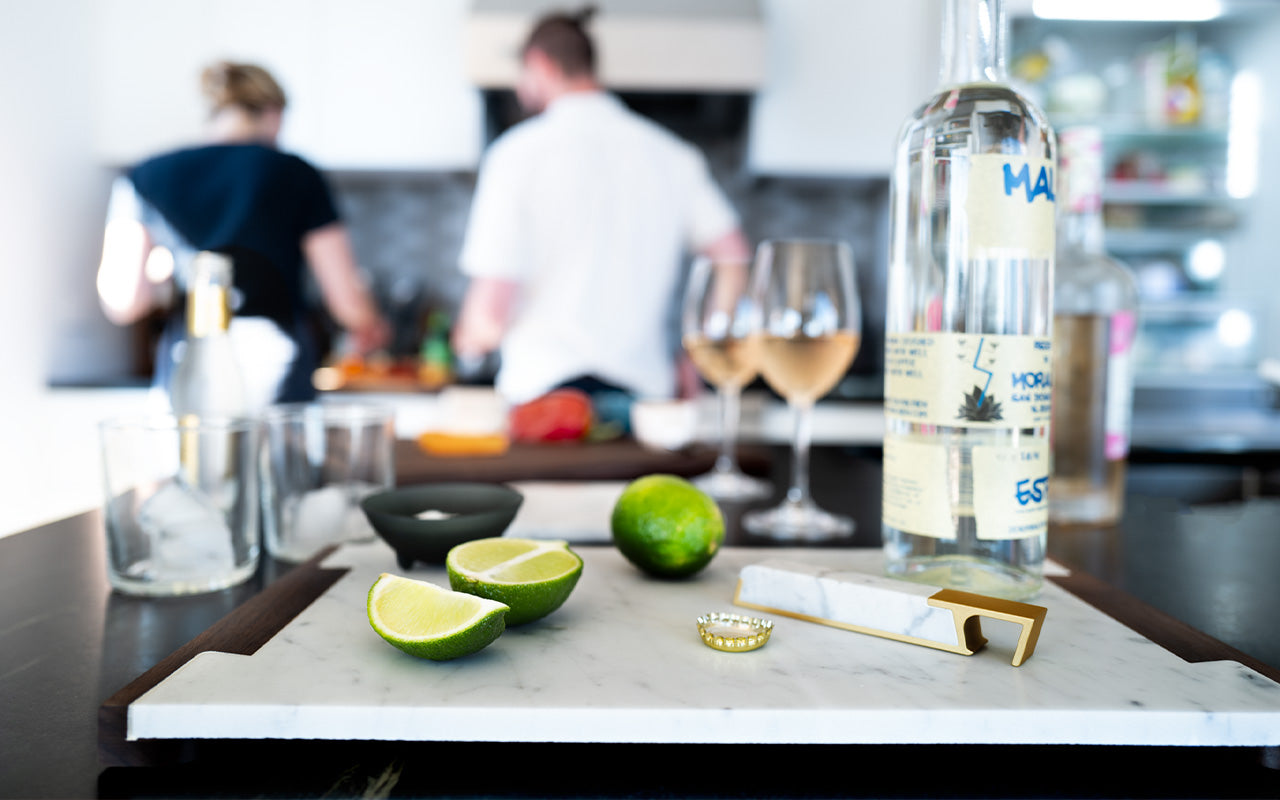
[(227, 84)]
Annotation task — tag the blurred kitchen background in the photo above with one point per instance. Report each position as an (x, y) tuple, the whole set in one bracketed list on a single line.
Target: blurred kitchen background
[(796, 102)]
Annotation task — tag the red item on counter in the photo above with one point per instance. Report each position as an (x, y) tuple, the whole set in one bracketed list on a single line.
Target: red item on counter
[(557, 416)]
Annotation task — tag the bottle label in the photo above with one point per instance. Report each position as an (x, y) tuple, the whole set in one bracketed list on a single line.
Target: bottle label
[(968, 380), (1008, 206), (1116, 415), (914, 495), (1008, 497), (1011, 490)]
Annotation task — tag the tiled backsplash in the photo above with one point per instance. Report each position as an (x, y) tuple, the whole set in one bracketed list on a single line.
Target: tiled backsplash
[(407, 231)]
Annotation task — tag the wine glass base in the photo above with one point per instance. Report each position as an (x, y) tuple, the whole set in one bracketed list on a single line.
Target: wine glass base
[(800, 522), (732, 485)]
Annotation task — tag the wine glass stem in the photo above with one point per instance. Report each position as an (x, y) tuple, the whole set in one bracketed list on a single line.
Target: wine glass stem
[(798, 494), (730, 397)]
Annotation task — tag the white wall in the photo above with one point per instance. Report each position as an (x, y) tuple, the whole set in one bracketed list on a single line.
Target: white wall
[(42, 158), (372, 84), (49, 209), (842, 77)]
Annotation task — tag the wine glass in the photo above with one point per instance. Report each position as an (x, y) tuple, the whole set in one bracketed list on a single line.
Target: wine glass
[(810, 329), (718, 328)]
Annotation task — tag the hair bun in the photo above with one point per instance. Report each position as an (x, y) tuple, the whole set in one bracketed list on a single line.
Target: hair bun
[(248, 86), (215, 82), (584, 15)]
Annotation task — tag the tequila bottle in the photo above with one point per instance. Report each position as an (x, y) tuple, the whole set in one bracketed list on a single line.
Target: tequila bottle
[(969, 324)]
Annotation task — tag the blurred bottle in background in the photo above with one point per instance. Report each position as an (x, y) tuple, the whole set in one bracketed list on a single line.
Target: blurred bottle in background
[(206, 380), (435, 366), (1095, 320), (207, 384), (1182, 96)]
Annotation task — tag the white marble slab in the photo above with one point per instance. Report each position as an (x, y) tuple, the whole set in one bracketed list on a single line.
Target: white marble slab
[(622, 662), (875, 602), (575, 510)]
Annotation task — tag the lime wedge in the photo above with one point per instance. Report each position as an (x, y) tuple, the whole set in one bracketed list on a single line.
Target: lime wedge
[(533, 577), (428, 621)]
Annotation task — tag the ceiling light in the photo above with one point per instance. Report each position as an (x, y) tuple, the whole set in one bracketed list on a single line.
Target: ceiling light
[(1235, 328), (1206, 261), (1128, 10)]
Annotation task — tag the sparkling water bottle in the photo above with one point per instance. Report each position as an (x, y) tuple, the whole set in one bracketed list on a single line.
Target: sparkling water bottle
[(968, 325)]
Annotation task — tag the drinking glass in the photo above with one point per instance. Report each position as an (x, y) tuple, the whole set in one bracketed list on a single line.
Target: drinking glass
[(319, 460), (810, 329), (181, 508), (719, 330)]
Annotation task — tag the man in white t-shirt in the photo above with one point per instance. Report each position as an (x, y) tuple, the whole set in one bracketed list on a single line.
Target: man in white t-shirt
[(580, 221)]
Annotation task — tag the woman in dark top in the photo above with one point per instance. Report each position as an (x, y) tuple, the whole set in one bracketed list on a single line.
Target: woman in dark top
[(272, 212)]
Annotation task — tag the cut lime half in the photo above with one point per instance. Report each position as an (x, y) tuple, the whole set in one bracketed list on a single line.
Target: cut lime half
[(531, 576), (429, 621)]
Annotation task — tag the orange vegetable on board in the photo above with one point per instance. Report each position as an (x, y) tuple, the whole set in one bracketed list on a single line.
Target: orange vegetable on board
[(441, 443)]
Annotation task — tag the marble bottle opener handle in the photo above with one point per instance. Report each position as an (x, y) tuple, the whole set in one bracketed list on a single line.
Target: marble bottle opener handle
[(944, 619)]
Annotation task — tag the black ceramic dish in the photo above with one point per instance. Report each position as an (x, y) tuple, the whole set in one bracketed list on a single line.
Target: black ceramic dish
[(476, 511)]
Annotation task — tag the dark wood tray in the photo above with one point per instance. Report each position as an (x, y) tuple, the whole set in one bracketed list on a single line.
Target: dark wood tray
[(618, 459), (255, 622)]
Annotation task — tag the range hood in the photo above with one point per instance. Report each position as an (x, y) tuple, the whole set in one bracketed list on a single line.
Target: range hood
[(714, 46)]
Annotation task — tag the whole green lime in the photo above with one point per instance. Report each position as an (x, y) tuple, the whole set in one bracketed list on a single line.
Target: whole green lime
[(666, 526)]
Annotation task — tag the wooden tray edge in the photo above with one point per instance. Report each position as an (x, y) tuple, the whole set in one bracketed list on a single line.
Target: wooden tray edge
[(243, 631), (1190, 644)]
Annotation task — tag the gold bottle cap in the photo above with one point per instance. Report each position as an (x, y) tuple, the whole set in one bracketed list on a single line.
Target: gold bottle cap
[(733, 633)]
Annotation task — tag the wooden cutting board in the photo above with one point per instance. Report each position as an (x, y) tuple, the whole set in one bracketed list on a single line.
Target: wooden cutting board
[(619, 459)]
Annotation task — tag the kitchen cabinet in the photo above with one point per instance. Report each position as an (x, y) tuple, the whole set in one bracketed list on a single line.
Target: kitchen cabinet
[(840, 79), (374, 85)]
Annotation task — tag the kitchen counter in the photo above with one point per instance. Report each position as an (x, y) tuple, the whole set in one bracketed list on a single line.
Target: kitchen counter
[(57, 471), (1198, 428), (1202, 578)]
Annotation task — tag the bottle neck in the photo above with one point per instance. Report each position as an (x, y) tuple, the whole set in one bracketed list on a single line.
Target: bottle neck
[(209, 295), (208, 311), (1080, 180), (1082, 231), (974, 37)]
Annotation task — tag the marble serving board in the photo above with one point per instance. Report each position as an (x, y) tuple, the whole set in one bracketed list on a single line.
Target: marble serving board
[(622, 661)]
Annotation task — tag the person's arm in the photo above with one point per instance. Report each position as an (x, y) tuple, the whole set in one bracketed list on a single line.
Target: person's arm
[(332, 261), (730, 247), (484, 317), (124, 292)]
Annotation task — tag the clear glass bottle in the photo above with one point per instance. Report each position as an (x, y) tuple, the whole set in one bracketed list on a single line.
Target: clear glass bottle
[(968, 325), (207, 381), (1095, 320)]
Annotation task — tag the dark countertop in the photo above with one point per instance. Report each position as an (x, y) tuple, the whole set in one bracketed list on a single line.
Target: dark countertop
[(67, 644)]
